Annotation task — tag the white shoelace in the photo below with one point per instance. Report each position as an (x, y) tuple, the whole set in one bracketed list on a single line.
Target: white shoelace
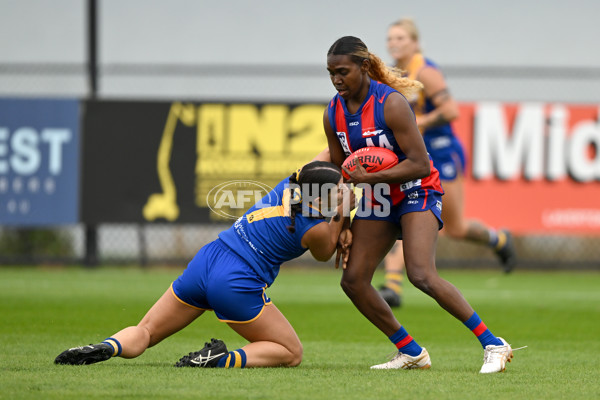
[(489, 354), (393, 355)]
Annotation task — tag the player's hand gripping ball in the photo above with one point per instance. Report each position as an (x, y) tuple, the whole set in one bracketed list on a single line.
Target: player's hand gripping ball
[(372, 159)]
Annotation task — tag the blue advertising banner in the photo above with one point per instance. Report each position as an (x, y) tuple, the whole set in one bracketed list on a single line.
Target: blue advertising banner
[(39, 162)]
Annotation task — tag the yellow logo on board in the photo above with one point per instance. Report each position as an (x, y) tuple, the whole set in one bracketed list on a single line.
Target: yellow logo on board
[(236, 142)]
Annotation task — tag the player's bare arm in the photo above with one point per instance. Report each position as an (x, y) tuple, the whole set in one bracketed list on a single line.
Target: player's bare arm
[(336, 152), (322, 239), (446, 109)]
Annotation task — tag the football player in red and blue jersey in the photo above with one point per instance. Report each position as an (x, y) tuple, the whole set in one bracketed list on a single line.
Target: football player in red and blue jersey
[(371, 109)]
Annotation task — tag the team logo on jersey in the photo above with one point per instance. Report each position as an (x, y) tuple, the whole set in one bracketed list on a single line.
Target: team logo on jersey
[(368, 133), (344, 142), (413, 195), (409, 185)]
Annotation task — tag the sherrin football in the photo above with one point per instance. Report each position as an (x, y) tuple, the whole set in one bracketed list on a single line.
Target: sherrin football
[(372, 159)]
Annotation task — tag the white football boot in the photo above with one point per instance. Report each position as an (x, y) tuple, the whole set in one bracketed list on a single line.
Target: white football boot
[(404, 361), (495, 358)]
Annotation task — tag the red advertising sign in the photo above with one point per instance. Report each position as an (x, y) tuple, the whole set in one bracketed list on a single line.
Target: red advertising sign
[(532, 167)]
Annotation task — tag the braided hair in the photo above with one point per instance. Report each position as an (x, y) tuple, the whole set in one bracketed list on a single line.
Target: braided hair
[(379, 71), (311, 178)]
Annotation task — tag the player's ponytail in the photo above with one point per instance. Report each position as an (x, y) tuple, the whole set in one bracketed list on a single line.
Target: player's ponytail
[(295, 206), (310, 178)]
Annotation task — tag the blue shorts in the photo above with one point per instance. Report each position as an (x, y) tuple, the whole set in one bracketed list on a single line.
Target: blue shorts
[(448, 156), (416, 199), (218, 279)]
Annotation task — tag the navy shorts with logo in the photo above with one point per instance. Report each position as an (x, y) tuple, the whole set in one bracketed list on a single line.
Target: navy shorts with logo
[(218, 279), (448, 156), (416, 199)]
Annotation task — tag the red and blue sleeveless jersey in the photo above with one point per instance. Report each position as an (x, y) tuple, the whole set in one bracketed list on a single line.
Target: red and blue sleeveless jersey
[(367, 128)]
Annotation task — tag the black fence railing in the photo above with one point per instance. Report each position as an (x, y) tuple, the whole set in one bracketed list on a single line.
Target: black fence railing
[(167, 244)]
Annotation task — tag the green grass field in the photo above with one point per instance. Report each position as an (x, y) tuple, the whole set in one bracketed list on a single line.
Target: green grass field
[(557, 314)]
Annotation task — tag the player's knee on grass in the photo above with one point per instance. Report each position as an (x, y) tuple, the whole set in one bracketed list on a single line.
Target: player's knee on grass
[(296, 355)]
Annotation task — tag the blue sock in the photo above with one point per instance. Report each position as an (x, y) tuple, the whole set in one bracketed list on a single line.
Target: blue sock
[(476, 325), (235, 359), (114, 343), (405, 343)]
